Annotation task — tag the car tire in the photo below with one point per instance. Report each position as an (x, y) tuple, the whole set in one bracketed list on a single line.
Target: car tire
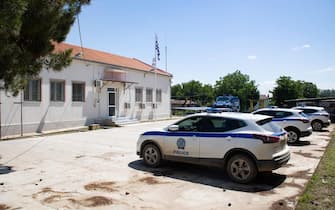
[(151, 155), (241, 169), (317, 125), (293, 135)]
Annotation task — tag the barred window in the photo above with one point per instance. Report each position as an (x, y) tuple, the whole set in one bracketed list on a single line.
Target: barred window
[(32, 91), (158, 95), (57, 90), (148, 95), (138, 94), (78, 91)]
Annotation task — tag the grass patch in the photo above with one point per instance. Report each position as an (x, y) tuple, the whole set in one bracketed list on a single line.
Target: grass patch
[(320, 191)]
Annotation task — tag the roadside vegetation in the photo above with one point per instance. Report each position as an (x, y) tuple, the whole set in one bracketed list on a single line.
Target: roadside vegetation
[(320, 191), (239, 84)]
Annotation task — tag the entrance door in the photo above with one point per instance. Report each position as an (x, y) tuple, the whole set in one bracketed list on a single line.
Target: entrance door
[(111, 101)]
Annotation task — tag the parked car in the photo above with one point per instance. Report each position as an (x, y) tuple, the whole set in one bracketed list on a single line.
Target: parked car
[(243, 144), (318, 116), (295, 122)]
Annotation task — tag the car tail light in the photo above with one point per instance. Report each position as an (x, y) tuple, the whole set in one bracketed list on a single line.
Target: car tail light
[(267, 139), (305, 120)]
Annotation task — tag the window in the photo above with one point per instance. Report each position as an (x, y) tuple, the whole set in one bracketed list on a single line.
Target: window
[(138, 94), (78, 91), (269, 113), (57, 90), (309, 111), (32, 91), (219, 124), (158, 95), (148, 93), (189, 124), (282, 114)]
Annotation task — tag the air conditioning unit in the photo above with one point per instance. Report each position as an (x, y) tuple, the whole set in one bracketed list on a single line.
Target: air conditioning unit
[(98, 83), (142, 106), (127, 105)]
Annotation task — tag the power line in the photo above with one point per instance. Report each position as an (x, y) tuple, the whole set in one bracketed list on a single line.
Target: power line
[(81, 40)]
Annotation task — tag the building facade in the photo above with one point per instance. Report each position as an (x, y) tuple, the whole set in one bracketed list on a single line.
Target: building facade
[(96, 87)]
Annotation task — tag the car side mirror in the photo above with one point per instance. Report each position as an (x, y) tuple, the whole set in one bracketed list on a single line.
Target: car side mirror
[(173, 128)]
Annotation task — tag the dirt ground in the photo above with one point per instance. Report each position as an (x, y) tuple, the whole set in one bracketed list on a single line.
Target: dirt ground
[(100, 170)]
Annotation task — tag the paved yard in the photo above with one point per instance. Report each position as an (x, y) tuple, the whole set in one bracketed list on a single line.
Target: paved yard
[(100, 169)]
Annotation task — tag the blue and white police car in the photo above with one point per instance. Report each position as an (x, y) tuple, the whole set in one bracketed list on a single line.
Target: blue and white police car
[(318, 115), (243, 144), (295, 122)]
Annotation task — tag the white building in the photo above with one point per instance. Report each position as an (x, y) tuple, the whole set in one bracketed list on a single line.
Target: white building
[(95, 87)]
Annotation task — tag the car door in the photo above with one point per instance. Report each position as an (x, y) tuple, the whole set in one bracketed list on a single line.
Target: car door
[(277, 117), (282, 118), (219, 137), (184, 141)]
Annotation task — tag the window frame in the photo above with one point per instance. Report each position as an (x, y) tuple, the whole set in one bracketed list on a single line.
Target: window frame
[(29, 89), (83, 90), (228, 122), (136, 96), (146, 95), (160, 95), (63, 94)]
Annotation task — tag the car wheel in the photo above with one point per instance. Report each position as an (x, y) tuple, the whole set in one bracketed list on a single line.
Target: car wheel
[(316, 125), (151, 155), (241, 169), (293, 136)]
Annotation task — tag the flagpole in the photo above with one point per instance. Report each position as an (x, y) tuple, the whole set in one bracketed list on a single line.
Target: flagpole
[(155, 67), (166, 58)]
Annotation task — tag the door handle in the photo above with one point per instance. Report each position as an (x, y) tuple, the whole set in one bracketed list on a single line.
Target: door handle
[(229, 138)]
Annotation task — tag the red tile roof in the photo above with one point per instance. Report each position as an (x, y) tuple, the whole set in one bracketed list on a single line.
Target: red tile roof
[(108, 58)]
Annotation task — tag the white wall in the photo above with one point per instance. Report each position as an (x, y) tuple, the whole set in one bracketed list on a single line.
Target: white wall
[(47, 115)]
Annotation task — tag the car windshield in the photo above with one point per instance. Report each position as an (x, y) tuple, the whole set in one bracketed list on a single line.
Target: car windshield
[(222, 98), (268, 125)]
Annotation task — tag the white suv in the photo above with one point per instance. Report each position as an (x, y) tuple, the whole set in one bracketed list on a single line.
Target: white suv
[(243, 144), (295, 122), (318, 116)]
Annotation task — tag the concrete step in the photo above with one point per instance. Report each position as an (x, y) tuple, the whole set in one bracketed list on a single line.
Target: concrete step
[(125, 121)]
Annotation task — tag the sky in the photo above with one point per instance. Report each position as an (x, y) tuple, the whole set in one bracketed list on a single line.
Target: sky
[(206, 40)]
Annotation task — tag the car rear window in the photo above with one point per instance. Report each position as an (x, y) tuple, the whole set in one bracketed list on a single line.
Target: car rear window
[(268, 125), (309, 111)]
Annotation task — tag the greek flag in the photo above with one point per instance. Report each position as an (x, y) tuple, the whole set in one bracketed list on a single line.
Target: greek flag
[(157, 47)]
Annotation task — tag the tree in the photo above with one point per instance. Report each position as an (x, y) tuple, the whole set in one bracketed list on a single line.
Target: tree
[(206, 95), (28, 31), (309, 90), (286, 89), (195, 91), (237, 84), (327, 93), (192, 90)]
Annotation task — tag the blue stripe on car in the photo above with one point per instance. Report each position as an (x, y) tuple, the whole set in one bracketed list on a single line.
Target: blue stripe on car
[(203, 134), (316, 114), (283, 119)]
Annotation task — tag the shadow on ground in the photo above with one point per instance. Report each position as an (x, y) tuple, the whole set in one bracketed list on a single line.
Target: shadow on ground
[(210, 176), (5, 169), (300, 143), (323, 131)]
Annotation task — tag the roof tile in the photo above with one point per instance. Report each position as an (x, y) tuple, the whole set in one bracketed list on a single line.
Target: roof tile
[(108, 58)]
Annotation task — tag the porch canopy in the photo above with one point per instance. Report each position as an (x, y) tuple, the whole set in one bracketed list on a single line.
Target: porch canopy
[(116, 75)]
